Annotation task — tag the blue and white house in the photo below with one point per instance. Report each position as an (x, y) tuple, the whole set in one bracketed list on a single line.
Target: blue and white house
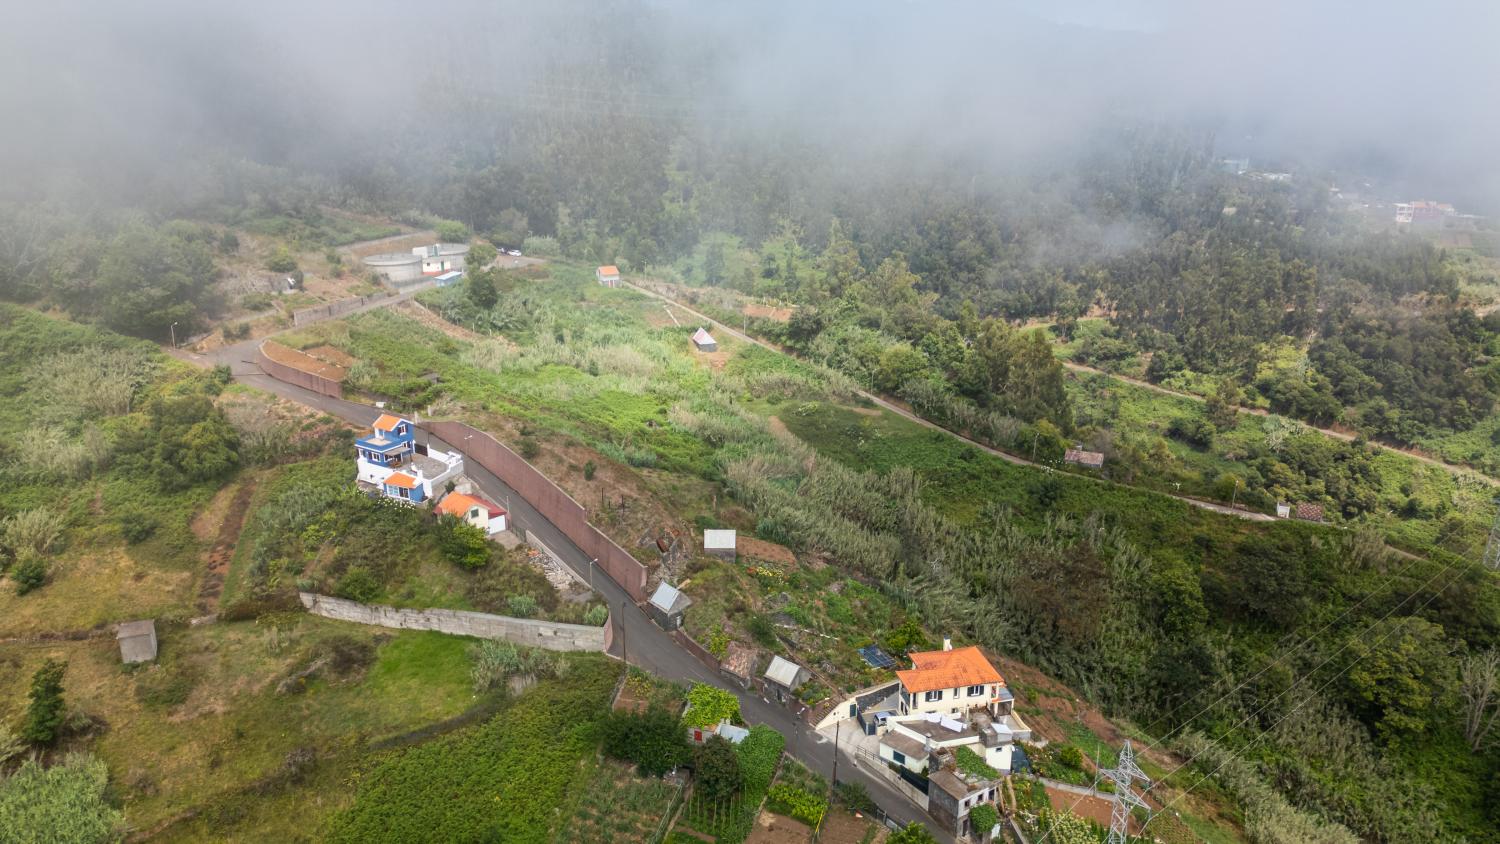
[(392, 462)]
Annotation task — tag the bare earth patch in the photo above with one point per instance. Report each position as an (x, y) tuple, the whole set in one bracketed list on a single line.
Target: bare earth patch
[(774, 829), (304, 361), (767, 312), (415, 310), (759, 549)]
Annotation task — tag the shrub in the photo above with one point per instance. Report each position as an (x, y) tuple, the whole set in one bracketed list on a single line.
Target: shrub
[(496, 661), (543, 247), (708, 705), (982, 818), (521, 606), (529, 448), (34, 531), (973, 764), (463, 544), (257, 301), (30, 573), (357, 584), (281, 261), (235, 331), (597, 615), (653, 740), (588, 470), (854, 796), (451, 231), (137, 527), (718, 643), (763, 630), (44, 715), (61, 802), (1071, 756)]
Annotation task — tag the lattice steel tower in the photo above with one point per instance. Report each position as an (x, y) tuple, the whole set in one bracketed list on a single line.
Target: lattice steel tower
[(1123, 775)]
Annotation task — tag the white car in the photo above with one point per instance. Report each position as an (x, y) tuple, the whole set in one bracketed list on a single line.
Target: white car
[(514, 253)]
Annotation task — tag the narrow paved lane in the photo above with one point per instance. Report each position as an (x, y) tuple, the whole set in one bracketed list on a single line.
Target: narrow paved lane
[(636, 638)]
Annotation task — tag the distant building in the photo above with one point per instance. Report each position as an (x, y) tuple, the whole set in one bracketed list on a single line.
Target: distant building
[(608, 275), (667, 605), (724, 730), (488, 517), (783, 677), (1283, 510), (1086, 459), (720, 543), (449, 277), (137, 641), (705, 341), (1310, 512), (1234, 166), (1423, 211), (419, 262)]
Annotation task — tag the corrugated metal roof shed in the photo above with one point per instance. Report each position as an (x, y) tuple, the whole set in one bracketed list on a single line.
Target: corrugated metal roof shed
[(669, 599), (785, 673)]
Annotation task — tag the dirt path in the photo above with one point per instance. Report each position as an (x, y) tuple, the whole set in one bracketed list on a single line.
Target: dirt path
[(907, 414), (222, 552), (1260, 411)]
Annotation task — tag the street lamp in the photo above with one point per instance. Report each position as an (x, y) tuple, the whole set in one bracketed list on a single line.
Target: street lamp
[(173, 329), (591, 573)]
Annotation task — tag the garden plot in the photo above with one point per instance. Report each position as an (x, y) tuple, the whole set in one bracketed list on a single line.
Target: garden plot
[(616, 805)]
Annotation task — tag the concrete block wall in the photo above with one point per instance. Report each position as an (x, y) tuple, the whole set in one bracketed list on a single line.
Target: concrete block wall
[(552, 635)]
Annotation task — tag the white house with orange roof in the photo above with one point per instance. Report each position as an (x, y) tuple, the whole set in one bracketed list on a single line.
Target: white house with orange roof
[(391, 461), (488, 517), (608, 275)]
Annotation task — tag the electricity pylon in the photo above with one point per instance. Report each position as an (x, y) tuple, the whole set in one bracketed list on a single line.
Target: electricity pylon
[(1492, 547), (1123, 775)]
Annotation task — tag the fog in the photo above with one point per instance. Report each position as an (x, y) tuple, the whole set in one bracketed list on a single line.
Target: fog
[(100, 97)]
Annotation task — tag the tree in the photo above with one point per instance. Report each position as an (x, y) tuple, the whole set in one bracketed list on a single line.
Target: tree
[(510, 227), (1479, 687), (1398, 672), (912, 833), (481, 290), (654, 740), (193, 441), (62, 804), (1222, 405), (451, 231), (44, 715), (480, 255), (716, 770), (281, 261), (713, 262)]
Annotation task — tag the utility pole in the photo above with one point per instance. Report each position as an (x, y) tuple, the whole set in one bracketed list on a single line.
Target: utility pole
[(173, 329), (1123, 775), (1492, 547), (835, 781), (624, 645)]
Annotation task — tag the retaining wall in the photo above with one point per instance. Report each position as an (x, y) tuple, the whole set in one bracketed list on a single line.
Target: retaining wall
[(548, 498), (292, 375), (553, 636), (332, 309)]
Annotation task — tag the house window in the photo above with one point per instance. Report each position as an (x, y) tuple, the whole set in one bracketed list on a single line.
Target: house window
[(898, 757), (976, 691), (934, 696)]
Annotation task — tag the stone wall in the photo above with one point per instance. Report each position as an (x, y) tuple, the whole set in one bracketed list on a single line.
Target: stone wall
[(292, 375), (553, 636)]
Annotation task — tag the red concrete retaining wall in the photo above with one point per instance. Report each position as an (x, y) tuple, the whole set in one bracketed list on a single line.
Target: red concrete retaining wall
[(548, 498), (292, 375)]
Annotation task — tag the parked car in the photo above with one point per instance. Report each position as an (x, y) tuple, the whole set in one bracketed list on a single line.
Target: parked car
[(514, 253)]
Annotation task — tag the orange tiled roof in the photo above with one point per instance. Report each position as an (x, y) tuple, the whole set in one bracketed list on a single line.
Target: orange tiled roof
[(609, 269), (458, 504), (402, 480), (953, 669), (387, 422)]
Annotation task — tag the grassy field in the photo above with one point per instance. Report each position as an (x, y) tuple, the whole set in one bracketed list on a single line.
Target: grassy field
[(211, 718)]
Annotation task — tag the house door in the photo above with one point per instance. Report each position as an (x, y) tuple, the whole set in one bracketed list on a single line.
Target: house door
[(421, 448)]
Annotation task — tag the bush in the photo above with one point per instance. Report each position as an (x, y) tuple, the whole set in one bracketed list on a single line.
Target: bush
[(357, 584), (463, 544), (236, 331), (716, 770), (30, 573), (597, 615), (854, 796), (1071, 756), (497, 661), (982, 818), (521, 606), (44, 715), (654, 740), (451, 231), (708, 705), (31, 531), (281, 261), (543, 247), (763, 630), (529, 448), (137, 527), (588, 470), (61, 802)]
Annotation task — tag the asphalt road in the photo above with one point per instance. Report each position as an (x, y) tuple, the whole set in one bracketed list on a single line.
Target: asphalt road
[(636, 638)]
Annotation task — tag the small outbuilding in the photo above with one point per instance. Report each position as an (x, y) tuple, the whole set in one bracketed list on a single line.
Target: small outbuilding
[(738, 663), (447, 278), (1086, 459), (488, 517), (1283, 510), (704, 341), (608, 275), (720, 543), (667, 605), (783, 677), (137, 641)]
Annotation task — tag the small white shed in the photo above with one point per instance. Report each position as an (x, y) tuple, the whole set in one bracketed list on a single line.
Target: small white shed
[(137, 641), (720, 543)]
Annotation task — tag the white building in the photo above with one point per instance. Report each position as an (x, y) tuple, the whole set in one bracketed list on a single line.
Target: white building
[(488, 517), (720, 543), (391, 452)]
